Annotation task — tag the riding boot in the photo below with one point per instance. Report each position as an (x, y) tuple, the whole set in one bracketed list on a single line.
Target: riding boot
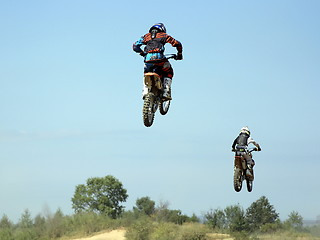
[(167, 88), (249, 171)]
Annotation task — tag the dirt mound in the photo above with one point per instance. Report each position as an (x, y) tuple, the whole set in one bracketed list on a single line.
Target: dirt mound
[(119, 235), (113, 235)]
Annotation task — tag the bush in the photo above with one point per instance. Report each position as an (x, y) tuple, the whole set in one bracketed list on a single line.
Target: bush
[(314, 230), (141, 230), (6, 234), (24, 234), (164, 231), (146, 229), (88, 223), (271, 227), (192, 232), (55, 225)]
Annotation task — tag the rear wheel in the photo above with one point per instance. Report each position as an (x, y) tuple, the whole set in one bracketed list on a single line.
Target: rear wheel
[(148, 110), (164, 107), (237, 180)]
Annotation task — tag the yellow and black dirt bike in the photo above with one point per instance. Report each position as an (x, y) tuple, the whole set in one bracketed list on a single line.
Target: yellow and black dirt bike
[(240, 172), (154, 98)]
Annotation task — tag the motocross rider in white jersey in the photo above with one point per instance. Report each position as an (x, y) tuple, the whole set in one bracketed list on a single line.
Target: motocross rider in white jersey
[(240, 146)]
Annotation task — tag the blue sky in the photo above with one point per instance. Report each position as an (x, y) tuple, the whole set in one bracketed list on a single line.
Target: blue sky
[(70, 102)]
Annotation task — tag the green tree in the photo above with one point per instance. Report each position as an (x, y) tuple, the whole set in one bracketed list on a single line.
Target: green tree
[(216, 219), (6, 234), (176, 216), (25, 228), (235, 218), (102, 195), (194, 218), (164, 214), (40, 225), (55, 225), (294, 221), (259, 213), (5, 222), (6, 228), (26, 220), (145, 205)]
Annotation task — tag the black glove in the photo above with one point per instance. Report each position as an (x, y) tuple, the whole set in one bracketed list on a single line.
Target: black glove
[(179, 56), (142, 54), (258, 149)]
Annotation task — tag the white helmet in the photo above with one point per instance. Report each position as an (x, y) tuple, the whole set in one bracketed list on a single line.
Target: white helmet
[(245, 130)]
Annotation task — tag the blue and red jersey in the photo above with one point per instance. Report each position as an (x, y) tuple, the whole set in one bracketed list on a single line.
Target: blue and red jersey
[(154, 47)]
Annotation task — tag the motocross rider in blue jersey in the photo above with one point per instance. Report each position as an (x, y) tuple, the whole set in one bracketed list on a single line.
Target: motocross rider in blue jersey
[(154, 58)]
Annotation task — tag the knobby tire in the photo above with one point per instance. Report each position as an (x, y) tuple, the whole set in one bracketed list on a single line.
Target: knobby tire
[(147, 111), (237, 181)]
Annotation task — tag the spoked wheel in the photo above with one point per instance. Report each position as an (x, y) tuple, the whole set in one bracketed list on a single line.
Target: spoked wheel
[(148, 110), (164, 107), (249, 185), (237, 180)]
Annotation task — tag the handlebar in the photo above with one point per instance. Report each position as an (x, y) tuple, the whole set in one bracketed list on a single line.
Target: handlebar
[(249, 150), (171, 55), (252, 150)]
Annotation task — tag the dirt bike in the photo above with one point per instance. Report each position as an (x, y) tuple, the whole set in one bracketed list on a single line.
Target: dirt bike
[(154, 98), (240, 169)]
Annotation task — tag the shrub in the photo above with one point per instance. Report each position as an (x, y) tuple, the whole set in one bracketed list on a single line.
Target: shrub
[(271, 227), (90, 222), (141, 230), (192, 232), (164, 231), (6, 234), (314, 230)]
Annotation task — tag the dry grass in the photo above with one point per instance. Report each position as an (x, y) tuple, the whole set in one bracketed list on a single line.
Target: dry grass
[(219, 236), (287, 236)]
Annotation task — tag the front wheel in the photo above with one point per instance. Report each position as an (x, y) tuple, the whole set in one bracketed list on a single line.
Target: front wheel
[(237, 180), (148, 110), (164, 107)]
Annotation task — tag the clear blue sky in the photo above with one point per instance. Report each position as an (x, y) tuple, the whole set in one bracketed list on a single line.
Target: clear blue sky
[(70, 103)]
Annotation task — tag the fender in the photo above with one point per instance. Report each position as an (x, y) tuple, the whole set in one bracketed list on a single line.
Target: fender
[(150, 77)]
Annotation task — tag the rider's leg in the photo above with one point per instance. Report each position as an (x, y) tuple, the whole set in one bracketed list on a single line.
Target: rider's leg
[(168, 74), (250, 164), (167, 88), (248, 159)]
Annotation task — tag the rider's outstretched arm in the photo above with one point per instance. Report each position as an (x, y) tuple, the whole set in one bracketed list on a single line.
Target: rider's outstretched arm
[(250, 140)]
